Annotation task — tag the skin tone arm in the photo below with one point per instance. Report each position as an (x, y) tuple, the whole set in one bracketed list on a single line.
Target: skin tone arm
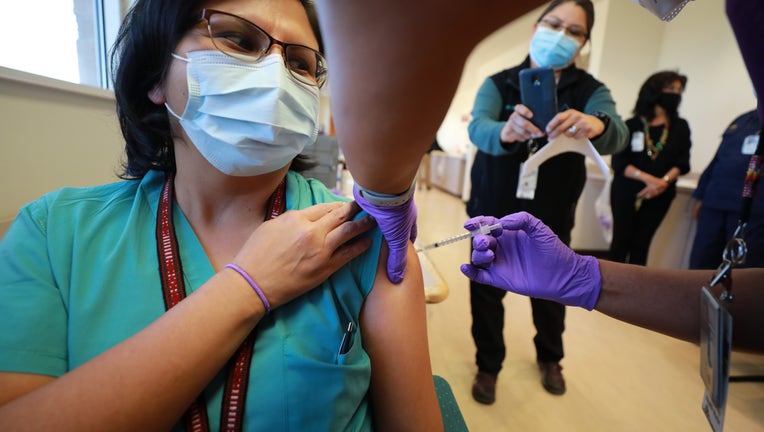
[(527, 258), (668, 301), (127, 388), (395, 336), (411, 58)]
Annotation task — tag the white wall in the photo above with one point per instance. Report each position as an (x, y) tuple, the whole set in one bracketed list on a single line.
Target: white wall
[(53, 134), (700, 43), (627, 50)]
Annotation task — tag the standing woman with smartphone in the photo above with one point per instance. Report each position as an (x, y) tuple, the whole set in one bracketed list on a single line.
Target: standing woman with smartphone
[(505, 137), (644, 184)]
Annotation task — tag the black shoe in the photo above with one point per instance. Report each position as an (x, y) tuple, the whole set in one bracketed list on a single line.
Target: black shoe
[(551, 377), (484, 388)]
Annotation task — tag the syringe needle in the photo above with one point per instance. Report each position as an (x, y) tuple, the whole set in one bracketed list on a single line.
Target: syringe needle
[(447, 241), (484, 229)]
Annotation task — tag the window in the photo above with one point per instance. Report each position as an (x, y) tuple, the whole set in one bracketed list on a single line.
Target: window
[(67, 40)]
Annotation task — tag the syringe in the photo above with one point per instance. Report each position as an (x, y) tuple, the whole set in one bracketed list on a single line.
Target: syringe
[(483, 229)]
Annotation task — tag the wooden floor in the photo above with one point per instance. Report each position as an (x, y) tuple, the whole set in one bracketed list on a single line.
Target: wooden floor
[(619, 377)]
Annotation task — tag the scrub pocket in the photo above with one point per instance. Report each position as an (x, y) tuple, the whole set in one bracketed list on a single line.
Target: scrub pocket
[(340, 382)]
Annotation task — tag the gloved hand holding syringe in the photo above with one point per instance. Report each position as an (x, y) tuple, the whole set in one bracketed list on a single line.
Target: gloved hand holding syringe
[(483, 229)]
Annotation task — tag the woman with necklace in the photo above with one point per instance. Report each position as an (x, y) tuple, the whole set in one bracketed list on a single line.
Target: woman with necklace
[(646, 170)]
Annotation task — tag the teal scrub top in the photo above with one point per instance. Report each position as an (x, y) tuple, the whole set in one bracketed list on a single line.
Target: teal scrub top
[(79, 274)]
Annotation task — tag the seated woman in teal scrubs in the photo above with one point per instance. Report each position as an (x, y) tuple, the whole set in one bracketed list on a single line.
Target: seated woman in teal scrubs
[(207, 290)]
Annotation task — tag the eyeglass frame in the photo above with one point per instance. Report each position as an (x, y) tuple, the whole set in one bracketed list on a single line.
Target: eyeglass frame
[(320, 78), (558, 25)]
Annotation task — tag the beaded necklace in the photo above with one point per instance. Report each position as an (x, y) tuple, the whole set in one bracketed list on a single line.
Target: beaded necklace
[(654, 148)]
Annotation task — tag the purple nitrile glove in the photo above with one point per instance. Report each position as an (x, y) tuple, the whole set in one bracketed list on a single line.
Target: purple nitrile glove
[(398, 226), (483, 244), (529, 259)]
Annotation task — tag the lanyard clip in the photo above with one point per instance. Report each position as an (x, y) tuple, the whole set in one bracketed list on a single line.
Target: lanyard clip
[(734, 253), (722, 272), (723, 275)]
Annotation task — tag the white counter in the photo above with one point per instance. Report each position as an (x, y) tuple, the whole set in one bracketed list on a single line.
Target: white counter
[(447, 172)]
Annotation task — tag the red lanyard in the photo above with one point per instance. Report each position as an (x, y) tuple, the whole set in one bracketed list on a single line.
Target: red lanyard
[(174, 290), (752, 175)]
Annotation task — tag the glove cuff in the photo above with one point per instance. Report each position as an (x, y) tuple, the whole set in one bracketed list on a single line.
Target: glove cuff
[(590, 278), (385, 200)]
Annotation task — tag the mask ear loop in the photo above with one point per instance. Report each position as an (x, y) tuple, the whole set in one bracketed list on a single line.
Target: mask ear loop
[(166, 105), (183, 59), (169, 110)]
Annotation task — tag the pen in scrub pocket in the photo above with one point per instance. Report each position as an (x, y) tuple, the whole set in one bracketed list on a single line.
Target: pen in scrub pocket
[(345, 344)]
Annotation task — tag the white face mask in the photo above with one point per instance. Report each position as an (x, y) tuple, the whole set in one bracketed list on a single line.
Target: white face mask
[(247, 119)]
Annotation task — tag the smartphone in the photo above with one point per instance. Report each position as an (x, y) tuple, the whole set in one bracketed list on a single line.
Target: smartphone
[(538, 92)]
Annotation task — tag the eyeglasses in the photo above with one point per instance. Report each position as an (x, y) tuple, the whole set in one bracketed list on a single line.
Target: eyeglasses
[(573, 31), (240, 39)]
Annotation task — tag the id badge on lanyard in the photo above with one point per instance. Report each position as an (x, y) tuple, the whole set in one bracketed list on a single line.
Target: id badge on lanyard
[(715, 348), (750, 143), (526, 184), (715, 319)]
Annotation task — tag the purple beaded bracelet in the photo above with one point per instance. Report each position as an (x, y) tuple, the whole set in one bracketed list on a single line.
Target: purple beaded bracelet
[(251, 283)]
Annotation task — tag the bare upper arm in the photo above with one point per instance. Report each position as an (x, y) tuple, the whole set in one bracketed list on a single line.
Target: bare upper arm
[(393, 324), (14, 385)]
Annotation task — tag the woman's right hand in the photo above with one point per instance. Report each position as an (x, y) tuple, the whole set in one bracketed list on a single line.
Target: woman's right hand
[(654, 186), (518, 127), (291, 254), (525, 257)]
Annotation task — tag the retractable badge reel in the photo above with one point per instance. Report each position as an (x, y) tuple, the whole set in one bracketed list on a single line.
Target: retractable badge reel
[(716, 335), (715, 319)]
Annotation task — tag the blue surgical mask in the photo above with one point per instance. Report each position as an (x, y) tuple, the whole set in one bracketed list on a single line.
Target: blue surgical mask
[(247, 119), (552, 49)]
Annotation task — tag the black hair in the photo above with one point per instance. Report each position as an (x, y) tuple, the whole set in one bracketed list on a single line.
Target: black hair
[(140, 60), (586, 5), (651, 91)]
